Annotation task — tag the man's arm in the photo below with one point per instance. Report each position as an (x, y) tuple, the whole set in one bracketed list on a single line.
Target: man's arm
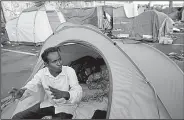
[(29, 87), (57, 94), (75, 89), (33, 85), (17, 93)]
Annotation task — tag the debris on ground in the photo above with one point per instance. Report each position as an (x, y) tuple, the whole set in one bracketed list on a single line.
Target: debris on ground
[(176, 56), (176, 30)]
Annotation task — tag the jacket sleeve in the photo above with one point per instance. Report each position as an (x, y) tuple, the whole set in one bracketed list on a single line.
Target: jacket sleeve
[(34, 84), (75, 89)]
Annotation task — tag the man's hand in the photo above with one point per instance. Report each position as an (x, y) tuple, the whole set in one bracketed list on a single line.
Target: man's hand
[(59, 94), (17, 93)]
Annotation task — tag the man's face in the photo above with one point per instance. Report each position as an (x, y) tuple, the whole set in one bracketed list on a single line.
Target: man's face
[(54, 62)]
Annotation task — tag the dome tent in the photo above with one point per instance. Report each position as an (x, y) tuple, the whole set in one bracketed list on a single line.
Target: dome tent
[(153, 23), (136, 86), (34, 24)]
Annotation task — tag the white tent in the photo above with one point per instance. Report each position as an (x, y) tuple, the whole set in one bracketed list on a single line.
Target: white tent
[(34, 24)]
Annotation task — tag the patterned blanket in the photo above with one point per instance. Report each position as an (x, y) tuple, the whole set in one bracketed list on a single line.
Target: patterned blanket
[(100, 82)]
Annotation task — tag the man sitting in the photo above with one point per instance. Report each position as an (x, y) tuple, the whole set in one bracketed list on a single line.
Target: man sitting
[(62, 90)]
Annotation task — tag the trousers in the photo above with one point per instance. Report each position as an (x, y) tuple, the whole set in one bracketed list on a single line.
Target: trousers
[(35, 112)]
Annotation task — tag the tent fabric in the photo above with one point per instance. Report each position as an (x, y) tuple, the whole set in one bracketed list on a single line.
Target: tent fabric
[(11, 29), (131, 95), (81, 16), (182, 15), (121, 89), (24, 26), (68, 24), (173, 13), (33, 8), (100, 16), (119, 12), (53, 19), (42, 27), (165, 72), (108, 12), (34, 25), (145, 24), (108, 9), (151, 23), (121, 23)]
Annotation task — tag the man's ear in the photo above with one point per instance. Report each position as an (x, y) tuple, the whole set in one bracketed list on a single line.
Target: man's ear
[(45, 64)]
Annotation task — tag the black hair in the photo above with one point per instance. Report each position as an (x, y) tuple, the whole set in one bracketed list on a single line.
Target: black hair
[(47, 51)]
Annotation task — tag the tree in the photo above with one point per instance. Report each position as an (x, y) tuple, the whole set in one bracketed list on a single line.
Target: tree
[(2, 14)]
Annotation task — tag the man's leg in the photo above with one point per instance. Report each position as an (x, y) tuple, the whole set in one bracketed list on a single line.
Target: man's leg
[(62, 116), (34, 112), (99, 114)]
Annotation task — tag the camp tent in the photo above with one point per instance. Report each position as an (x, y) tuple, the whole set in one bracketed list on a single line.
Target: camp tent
[(34, 24), (81, 15), (121, 20), (105, 11), (152, 23), (144, 83), (122, 16), (89, 15)]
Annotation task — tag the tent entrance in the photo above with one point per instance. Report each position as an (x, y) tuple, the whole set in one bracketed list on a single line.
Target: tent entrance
[(93, 76)]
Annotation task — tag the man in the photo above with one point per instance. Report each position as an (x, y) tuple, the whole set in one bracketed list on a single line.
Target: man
[(62, 90)]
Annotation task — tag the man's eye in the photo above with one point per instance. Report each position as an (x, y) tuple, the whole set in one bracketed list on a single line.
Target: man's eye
[(54, 61)]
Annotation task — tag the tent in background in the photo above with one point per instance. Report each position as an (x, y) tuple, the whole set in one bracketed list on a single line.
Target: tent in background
[(34, 25), (138, 89), (152, 23), (103, 23), (81, 15), (122, 17), (11, 26), (120, 21), (90, 15)]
